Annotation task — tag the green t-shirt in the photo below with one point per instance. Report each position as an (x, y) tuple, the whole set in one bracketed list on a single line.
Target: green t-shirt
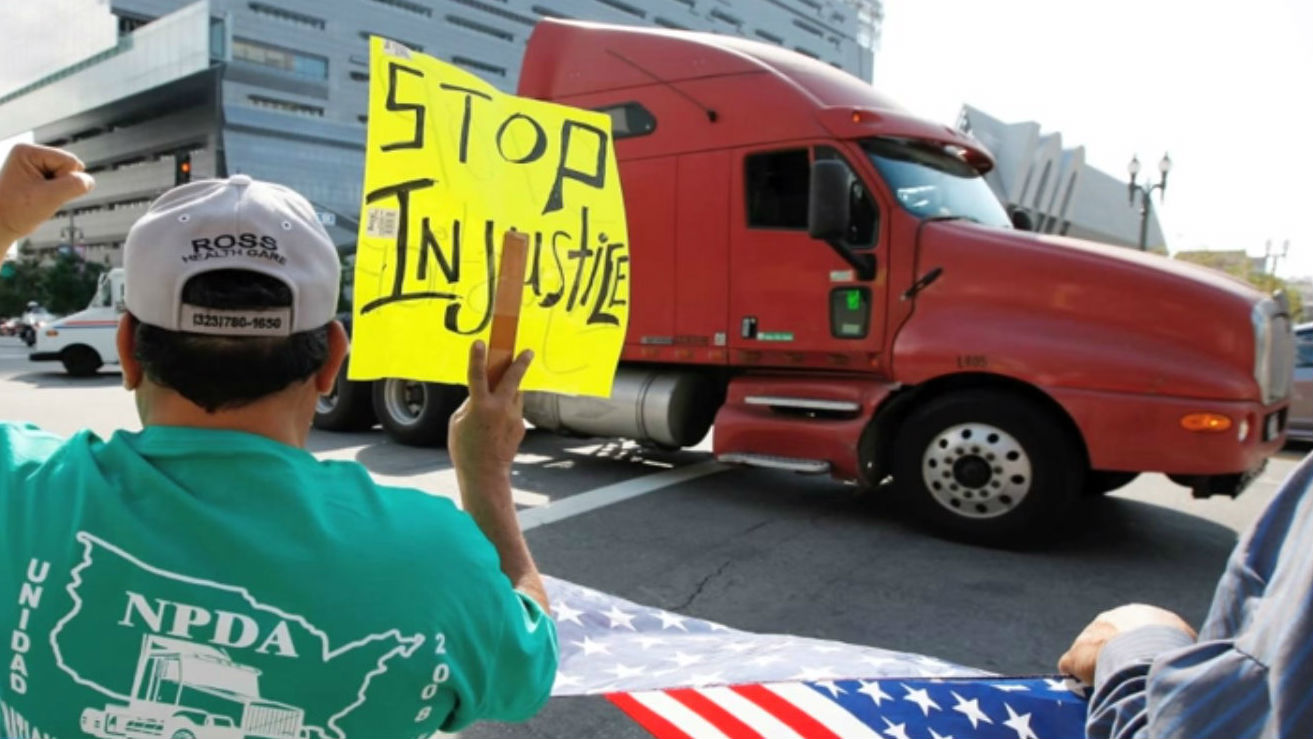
[(189, 583)]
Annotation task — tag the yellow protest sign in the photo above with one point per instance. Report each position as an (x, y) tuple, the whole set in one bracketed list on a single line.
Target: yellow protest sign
[(452, 163)]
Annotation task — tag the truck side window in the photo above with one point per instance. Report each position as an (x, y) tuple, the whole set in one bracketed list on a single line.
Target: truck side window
[(777, 184), (864, 218), (629, 120)]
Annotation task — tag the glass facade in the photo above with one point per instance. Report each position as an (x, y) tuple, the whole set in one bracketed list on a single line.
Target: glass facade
[(310, 66)]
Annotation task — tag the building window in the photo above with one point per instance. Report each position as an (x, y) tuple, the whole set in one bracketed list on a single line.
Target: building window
[(624, 7), (298, 63), (767, 35), (806, 52), (364, 120), (479, 66), (629, 120), (778, 185), (288, 16), (130, 23), (359, 76), (809, 28), (670, 24), (407, 6), (549, 13), (724, 17), (477, 27), (286, 106), (499, 12), (413, 47)]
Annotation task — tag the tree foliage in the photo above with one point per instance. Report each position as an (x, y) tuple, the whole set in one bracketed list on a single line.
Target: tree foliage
[(62, 285), (1239, 264)]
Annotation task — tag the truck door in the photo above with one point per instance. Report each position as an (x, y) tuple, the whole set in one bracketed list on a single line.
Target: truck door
[(793, 300)]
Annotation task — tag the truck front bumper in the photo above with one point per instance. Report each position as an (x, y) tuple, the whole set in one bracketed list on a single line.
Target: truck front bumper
[(1143, 433), (44, 356)]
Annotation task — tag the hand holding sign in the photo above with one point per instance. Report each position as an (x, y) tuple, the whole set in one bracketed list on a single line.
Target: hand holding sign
[(450, 164)]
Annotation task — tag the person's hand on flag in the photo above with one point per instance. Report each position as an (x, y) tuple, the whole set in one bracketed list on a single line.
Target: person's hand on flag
[(1081, 659)]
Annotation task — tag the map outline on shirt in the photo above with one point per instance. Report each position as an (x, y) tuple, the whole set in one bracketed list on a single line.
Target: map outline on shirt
[(406, 645)]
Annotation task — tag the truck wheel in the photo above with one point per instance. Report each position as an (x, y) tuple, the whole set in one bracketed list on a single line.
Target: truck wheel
[(1102, 482), (80, 361), (416, 413), (987, 467), (349, 406)]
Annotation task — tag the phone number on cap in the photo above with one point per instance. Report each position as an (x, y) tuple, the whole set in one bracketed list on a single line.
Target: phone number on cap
[(206, 320)]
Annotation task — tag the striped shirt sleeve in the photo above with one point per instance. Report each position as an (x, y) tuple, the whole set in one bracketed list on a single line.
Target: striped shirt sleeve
[(1250, 674)]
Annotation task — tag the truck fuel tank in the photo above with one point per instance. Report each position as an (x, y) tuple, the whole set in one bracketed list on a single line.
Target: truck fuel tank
[(673, 408)]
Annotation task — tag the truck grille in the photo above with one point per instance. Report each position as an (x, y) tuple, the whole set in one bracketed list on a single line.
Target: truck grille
[(1274, 348), (271, 721), (1281, 359)]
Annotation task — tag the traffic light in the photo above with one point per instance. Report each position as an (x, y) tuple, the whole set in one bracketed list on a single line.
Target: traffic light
[(182, 169)]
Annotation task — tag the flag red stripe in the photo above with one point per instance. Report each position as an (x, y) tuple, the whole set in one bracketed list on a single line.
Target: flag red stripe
[(794, 717), (646, 718), (714, 713)]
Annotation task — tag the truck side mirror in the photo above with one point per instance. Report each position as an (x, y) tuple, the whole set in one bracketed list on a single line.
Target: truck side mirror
[(828, 203), (1021, 220), (829, 213)]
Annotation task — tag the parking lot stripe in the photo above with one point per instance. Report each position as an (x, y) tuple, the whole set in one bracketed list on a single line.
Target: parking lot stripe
[(612, 494)]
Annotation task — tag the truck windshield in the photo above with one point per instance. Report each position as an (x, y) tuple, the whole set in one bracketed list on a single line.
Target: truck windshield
[(930, 181), (103, 297)]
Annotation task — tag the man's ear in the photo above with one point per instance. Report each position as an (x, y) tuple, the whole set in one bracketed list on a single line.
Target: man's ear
[(338, 345), (126, 339)]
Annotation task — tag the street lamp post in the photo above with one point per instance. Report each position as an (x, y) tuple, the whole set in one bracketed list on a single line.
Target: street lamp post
[(1146, 190), (72, 233)]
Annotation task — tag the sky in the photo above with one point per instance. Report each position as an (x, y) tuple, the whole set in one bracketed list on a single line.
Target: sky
[(1222, 87)]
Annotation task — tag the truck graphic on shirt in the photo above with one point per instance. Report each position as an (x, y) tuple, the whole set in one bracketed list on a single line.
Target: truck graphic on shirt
[(184, 690)]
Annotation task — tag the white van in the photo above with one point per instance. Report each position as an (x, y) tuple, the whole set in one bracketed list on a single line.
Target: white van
[(84, 341)]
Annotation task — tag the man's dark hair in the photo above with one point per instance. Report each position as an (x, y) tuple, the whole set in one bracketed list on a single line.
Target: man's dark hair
[(224, 372)]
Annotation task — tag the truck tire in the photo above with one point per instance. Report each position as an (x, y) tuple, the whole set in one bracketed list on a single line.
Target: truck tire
[(416, 413), (349, 406), (1102, 482), (80, 360), (988, 467)]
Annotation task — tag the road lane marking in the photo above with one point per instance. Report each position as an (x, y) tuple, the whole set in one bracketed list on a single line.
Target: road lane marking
[(615, 493)]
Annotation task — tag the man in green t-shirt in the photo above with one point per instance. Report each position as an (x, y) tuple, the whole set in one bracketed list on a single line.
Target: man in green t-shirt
[(207, 577)]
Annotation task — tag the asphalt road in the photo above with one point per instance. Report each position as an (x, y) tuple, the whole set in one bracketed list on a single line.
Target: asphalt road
[(775, 552)]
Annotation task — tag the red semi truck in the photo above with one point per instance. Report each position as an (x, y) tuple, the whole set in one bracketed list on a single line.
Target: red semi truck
[(829, 281)]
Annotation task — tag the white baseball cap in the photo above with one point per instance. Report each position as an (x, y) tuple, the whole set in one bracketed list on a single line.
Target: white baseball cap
[(237, 223)]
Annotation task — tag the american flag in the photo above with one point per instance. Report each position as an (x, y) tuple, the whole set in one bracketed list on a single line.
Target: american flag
[(681, 677)]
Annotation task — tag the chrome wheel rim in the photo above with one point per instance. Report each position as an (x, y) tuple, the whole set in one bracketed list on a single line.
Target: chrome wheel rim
[(328, 401), (405, 400), (976, 470)]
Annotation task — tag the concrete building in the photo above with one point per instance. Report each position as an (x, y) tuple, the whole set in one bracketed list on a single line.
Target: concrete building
[(1055, 186), (278, 89)]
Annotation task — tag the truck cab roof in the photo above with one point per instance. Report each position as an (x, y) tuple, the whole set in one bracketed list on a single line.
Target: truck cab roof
[(686, 78)]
